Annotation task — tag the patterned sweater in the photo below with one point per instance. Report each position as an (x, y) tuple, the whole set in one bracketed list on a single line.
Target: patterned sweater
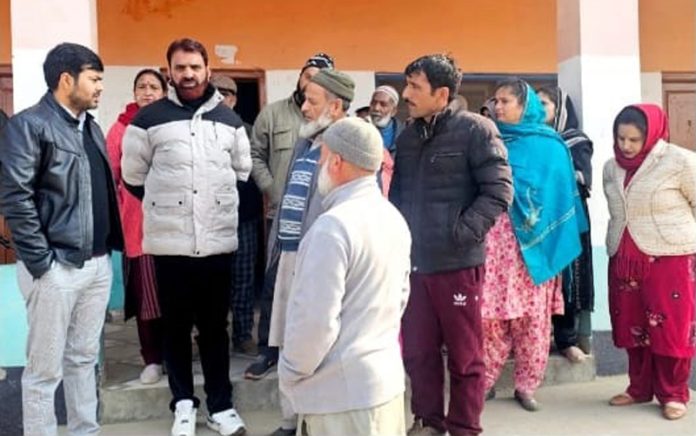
[(659, 204)]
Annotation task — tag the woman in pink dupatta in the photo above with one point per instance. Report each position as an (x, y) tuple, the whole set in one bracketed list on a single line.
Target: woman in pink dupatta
[(650, 187)]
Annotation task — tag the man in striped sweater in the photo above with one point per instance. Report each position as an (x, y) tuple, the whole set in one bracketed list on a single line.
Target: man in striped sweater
[(328, 97)]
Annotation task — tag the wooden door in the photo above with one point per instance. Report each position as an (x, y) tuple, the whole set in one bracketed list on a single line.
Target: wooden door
[(679, 102), (6, 89)]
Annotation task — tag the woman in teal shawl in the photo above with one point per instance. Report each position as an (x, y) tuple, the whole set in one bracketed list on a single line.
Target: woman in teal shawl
[(529, 247)]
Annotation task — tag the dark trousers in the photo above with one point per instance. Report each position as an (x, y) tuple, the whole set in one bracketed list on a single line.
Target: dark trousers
[(243, 274), (266, 304), (565, 328), (665, 377), (150, 335), (196, 291), (445, 309)]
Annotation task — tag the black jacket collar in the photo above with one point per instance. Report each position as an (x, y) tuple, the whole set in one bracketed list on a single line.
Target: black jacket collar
[(50, 100)]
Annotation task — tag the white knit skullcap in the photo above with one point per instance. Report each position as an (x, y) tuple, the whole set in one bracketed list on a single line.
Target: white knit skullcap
[(390, 91)]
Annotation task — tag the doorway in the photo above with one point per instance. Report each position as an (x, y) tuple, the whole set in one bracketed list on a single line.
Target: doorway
[(475, 88), (679, 102)]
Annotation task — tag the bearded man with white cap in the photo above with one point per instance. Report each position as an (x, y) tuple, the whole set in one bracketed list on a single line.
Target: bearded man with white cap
[(383, 106), (341, 366)]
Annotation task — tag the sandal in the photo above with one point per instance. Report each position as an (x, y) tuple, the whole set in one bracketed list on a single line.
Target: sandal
[(527, 402), (673, 410), (624, 399)]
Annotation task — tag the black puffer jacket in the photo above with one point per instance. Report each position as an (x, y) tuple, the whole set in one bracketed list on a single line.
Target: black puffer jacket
[(45, 187), (451, 180)]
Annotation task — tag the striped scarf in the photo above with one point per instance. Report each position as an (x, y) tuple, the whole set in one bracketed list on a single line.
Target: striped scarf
[(294, 203)]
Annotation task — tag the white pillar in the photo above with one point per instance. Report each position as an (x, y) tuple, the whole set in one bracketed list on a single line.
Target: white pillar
[(599, 66), (39, 25)]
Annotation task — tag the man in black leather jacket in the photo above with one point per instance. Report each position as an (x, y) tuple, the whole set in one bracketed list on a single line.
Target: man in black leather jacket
[(57, 195), (451, 181)]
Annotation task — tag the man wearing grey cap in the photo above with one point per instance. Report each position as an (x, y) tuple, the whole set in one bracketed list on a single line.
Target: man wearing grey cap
[(350, 288), (227, 87), (275, 133), (328, 96), (273, 138)]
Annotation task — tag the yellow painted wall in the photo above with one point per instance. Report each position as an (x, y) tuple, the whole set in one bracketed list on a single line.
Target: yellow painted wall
[(484, 36), (5, 33), (667, 35)]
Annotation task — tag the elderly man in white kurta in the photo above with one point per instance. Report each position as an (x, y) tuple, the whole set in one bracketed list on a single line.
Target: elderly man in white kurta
[(341, 367)]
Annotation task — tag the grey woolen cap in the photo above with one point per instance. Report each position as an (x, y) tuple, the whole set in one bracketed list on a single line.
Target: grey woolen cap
[(336, 82), (356, 141)]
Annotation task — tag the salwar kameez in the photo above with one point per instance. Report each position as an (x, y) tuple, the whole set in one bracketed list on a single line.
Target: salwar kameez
[(651, 301), (516, 313)]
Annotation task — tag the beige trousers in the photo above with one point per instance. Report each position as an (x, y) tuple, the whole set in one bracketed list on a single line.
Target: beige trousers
[(384, 420), (281, 296)]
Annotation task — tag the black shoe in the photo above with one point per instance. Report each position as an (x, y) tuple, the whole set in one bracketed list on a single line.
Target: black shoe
[(259, 369), (490, 395), (280, 431)]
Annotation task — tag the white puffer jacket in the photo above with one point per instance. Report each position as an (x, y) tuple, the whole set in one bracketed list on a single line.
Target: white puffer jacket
[(188, 162)]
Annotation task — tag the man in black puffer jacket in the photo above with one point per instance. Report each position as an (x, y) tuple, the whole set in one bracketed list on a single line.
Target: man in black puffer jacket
[(451, 181)]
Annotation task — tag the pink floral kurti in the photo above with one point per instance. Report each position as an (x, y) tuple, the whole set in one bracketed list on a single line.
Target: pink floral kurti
[(516, 313)]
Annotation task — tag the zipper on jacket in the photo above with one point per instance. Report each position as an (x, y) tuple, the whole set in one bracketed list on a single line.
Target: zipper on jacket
[(418, 196), (83, 162), (446, 154)]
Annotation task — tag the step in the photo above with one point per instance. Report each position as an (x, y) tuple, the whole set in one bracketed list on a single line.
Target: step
[(124, 401), (559, 370), (133, 401)]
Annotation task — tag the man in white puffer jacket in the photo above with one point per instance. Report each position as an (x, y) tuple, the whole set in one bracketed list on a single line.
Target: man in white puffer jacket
[(183, 155)]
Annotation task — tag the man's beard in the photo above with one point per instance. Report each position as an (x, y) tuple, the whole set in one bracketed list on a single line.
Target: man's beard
[(192, 93), (379, 120), (81, 104), (324, 183), (309, 129)]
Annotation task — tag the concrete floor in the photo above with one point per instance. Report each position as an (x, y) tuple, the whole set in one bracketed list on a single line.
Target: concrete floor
[(567, 410)]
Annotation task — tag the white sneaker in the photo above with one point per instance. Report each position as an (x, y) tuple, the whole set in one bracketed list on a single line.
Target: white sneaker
[(227, 423), (184, 419), (151, 374)]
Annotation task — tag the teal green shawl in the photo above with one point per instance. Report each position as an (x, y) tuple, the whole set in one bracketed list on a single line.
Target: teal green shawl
[(546, 213)]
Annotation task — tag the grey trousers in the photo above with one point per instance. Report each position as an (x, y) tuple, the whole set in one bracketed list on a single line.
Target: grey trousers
[(65, 309)]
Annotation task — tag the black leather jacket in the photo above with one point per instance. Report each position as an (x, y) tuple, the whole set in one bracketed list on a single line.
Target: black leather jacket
[(45, 187), (451, 181)]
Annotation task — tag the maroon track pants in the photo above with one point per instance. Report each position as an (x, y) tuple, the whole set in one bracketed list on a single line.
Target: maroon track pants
[(445, 308)]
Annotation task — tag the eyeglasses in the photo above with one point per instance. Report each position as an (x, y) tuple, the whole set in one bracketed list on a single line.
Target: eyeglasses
[(227, 92)]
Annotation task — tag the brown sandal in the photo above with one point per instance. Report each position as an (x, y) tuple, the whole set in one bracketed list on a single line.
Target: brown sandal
[(623, 399), (673, 410)]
